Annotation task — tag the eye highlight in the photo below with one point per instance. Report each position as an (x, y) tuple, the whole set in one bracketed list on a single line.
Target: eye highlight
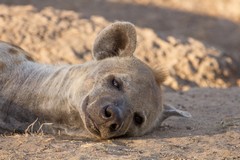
[(138, 119), (116, 84)]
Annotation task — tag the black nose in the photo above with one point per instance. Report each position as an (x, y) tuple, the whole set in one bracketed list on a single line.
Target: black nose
[(112, 117)]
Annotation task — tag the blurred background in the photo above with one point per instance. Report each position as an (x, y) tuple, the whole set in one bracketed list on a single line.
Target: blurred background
[(197, 40)]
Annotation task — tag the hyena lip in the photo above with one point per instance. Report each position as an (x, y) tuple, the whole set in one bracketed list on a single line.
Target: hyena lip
[(92, 127), (89, 123)]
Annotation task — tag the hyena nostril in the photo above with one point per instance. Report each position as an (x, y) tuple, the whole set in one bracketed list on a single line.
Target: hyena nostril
[(113, 127), (107, 112)]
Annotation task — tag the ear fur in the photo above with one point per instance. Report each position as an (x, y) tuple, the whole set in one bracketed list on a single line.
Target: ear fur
[(117, 39), (160, 73)]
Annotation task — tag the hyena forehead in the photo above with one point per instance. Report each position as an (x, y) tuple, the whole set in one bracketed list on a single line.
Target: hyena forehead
[(133, 67)]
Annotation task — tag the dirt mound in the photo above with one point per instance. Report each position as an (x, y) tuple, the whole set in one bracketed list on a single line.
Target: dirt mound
[(54, 36)]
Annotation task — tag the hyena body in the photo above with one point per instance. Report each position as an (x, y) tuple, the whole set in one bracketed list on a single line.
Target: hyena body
[(116, 94)]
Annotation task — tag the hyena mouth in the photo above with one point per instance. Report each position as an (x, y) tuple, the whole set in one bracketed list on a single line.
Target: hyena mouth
[(92, 127), (89, 123)]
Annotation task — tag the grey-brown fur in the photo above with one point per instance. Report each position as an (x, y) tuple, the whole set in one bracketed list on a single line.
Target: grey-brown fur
[(108, 97)]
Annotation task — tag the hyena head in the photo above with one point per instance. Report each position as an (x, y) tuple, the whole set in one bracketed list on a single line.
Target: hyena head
[(125, 96)]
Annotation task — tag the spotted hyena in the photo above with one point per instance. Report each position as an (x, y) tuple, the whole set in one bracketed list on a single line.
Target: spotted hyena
[(115, 94)]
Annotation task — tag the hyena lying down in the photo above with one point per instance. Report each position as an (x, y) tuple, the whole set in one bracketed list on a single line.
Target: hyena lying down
[(116, 94)]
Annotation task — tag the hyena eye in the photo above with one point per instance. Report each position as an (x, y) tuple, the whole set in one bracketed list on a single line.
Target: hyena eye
[(116, 84), (138, 119)]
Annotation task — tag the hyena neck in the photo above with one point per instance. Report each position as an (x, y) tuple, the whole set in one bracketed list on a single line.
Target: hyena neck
[(43, 89)]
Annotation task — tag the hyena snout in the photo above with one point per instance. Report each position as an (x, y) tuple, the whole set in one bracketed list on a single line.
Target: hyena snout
[(112, 117)]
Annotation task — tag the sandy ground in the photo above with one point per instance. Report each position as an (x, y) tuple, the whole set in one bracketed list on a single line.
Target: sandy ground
[(198, 43), (212, 133)]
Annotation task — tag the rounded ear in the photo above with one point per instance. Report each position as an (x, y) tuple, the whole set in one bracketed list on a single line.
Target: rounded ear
[(169, 110), (117, 39), (160, 73)]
